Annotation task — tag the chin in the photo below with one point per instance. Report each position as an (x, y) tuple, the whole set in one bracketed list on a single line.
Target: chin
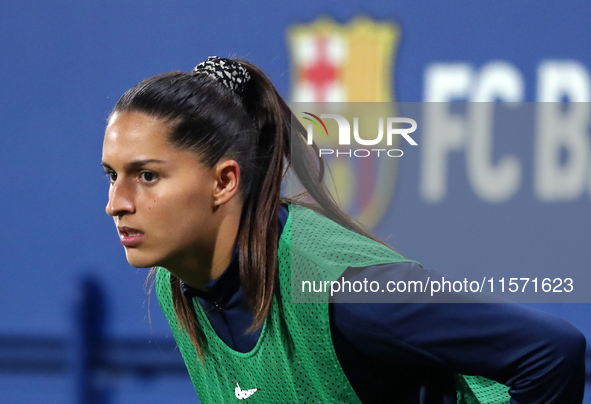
[(139, 260)]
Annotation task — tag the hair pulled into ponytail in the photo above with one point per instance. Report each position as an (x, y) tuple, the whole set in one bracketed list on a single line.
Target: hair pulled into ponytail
[(254, 127)]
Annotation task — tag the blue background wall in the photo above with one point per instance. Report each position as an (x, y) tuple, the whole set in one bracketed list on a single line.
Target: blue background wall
[(64, 64)]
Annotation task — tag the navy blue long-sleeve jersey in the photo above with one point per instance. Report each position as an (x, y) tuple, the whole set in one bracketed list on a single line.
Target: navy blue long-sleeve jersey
[(410, 351)]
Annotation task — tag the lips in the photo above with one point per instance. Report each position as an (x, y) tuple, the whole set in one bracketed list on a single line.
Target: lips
[(130, 237)]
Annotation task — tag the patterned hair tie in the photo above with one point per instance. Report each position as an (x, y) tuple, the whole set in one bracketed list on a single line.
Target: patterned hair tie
[(230, 73)]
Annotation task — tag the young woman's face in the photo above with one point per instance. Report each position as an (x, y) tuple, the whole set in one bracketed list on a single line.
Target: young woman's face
[(160, 196)]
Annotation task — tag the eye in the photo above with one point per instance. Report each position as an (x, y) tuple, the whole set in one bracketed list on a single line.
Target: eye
[(112, 176), (148, 176)]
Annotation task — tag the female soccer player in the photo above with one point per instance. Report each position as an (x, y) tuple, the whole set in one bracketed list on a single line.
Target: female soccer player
[(196, 162)]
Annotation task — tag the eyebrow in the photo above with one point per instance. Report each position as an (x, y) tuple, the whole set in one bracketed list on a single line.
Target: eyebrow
[(137, 164)]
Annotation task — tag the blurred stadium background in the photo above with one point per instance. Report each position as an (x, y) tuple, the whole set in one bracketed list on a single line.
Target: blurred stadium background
[(73, 314)]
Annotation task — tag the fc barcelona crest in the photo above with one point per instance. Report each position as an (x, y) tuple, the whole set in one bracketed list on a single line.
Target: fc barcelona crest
[(354, 64)]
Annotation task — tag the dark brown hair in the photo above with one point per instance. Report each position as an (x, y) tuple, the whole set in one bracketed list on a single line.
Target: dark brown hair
[(254, 128)]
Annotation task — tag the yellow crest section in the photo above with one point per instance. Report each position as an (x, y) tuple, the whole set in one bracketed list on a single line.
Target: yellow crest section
[(349, 63), (342, 63)]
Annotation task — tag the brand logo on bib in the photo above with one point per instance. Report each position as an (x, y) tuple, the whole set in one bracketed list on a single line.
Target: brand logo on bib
[(243, 394)]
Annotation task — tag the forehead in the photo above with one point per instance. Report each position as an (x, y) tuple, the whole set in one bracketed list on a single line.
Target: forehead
[(135, 135)]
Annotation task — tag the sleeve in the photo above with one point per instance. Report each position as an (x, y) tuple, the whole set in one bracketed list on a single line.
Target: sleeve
[(538, 355)]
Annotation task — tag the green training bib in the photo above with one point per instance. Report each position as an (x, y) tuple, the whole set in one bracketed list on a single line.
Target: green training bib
[(294, 360)]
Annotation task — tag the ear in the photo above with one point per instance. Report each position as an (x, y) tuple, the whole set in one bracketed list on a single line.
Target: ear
[(226, 180)]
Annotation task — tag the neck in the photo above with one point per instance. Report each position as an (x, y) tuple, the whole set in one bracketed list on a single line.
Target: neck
[(212, 260)]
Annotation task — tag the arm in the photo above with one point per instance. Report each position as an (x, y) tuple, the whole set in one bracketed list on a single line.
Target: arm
[(538, 355)]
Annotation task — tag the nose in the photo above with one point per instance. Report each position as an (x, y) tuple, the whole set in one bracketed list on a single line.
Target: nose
[(120, 200)]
